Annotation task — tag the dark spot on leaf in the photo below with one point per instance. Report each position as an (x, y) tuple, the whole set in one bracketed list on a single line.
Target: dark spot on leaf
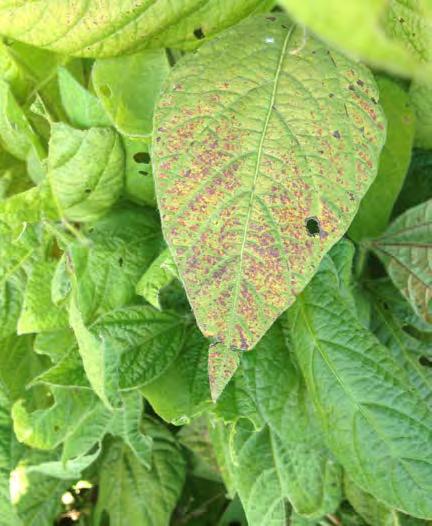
[(331, 95), (142, 157), (362, 129), (106, 90), (284, 26), (336, 134), (373, 99), (120, 261), (271, 18), (56, 428), (198, 33), (351, 87), (142, 172), (401, 20), (87, 190), (385, 305), (360, 82), (425, 361), (312, 226)]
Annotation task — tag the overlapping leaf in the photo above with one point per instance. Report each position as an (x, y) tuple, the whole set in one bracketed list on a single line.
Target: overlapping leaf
[(259, 170)]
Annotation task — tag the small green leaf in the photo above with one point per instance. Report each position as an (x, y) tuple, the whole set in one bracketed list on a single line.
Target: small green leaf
[(253, 188), (405, 248), (85, 171), (375, 208), (128, 87), (84, 110), (136, 495), (375, 425), (157, 276)]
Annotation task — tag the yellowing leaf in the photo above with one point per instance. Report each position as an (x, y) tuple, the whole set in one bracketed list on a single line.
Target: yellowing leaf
[(260, 156)]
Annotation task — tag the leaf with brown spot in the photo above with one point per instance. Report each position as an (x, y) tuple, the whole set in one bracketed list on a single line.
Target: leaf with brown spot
[(406, 250), (222, 364), (238, 169)]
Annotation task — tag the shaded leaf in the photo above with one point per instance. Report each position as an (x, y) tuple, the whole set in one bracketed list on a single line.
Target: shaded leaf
[(405, 248), (253, 194), (158, 275)]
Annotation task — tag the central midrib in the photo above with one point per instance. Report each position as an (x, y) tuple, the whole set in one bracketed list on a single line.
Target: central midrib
[(253, 189)]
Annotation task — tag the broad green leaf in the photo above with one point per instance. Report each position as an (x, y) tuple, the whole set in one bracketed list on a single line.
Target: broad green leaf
[(84, 110), (222, 364), (387, 33), (38, 311), (101, 28), (157, 276), (139, 184), (421, 98), (375, 425), (64, 470), (182, 391), (16, 133), (107, 269), (130, 493), (375, 209), (128, 86), (85, 170), (405, 248), (373, 511), (417, 187), (253, 188)]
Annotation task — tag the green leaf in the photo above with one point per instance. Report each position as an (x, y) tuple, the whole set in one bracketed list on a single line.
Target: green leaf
[(139, 184), (405, 249), (128, 87), (120, 248), (85, 170), (130, 493), (182, 391), (375, 425), (84, 110), (373, 511), (252, 188), (157, 276), (374, 212), (222, 364), (38, 311), (421, 99), (389, 34), (99, 28)]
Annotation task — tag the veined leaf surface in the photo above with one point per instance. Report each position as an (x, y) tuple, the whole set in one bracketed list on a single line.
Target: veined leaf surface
[(261, 155)]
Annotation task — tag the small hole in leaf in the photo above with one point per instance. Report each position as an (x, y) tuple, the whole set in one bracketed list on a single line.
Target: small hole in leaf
[(142, 157), (87, 190), (106, 90), (142, 172), (312, 226), (336, 134), (120, 260), (425, 361), (198, 33)]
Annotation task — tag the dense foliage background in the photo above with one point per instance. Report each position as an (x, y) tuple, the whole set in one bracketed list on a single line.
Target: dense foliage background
[(184, 180)]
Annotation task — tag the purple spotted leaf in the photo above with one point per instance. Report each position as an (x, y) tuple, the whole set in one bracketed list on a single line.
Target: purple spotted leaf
[(262, 153), (222, 364)]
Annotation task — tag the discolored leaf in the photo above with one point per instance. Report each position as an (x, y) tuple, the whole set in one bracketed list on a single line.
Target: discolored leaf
[(261, 156), (96, 28), (222, 364), (406, 250)]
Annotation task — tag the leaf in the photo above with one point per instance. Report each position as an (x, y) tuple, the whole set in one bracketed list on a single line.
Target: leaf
[(99, 28), (240, 188), (127, 86), (85, 170), (139, 184), (157, 276), (121, 247), (38, 311), (375, 209), (222, 364), (421, 99), (375, 425), (182, 391), (405, 249), (373, 511), (84, 110), (135, 495), (389, 34)]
